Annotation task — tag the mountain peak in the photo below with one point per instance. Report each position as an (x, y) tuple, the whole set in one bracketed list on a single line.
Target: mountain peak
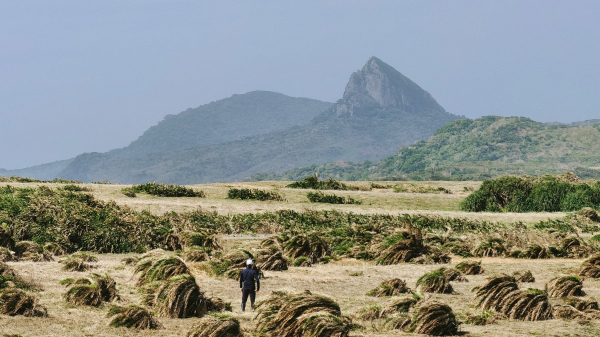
[(380, 83)]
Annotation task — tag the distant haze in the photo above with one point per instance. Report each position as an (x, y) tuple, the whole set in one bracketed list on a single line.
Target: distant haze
[(81, 76)]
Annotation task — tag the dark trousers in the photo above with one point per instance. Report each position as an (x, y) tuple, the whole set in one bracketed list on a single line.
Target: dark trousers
[(245, 293)]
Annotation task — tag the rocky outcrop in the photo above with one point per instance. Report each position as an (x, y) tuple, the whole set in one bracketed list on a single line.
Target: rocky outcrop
[(379, 83)]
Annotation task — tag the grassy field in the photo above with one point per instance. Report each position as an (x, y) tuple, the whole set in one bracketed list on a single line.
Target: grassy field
[(346, 280)]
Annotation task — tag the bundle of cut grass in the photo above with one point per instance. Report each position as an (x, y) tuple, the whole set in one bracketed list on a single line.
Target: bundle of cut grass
[(435, 282), (502, 294), (567, 312), (565, 286), (535, 251), (295, 315), (176, 297), (435, 319), (582, 304), (404, 250), (196, 254), (216, 325), (253, 194), (130, 260), (206, 239), (6, 270), (275, 261), (370, 312), (302, 261), (12, 280), (14, 302), (91, 291), (470, 267), (6, 255), (397, 323), (6, 239), (30, 251), (391, 287), (589, 270), (454, 275), (490, 248), (156, 270), (459, 248), (132, 317), (216, 304), (78, 261), (400, 305), (524, 276), (483, 318), (313, 246), (54, 249)]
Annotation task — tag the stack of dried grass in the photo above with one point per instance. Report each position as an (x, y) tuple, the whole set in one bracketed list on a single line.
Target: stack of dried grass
[(31, 251), (78, 262), (591, 267), (294, 315), (490, 248), (435, 319), (92, 291), (176, 297), (391, 287), (151, 269), (454, 275), (435, 282), (411, 249), (216, 325), (502, 295), (132, 317), (204, 238), (470, 267), (197, 254), (565, 286), (524, 276), (15, 301), (312, 246)]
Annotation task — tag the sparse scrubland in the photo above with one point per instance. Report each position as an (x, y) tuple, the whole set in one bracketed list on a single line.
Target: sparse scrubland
[(91, 259)]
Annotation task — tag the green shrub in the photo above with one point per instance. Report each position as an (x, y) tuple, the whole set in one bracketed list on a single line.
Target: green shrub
[(162, 190), (253, 194), (331, 198), (527, 194), (315, 184)]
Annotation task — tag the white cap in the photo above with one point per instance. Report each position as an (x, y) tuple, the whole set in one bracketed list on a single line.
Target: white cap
[(249, 262)]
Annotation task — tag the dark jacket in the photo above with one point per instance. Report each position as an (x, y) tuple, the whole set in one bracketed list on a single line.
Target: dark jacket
[(247, 277)]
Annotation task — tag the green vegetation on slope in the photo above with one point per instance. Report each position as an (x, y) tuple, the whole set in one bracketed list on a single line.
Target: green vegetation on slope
[(481, 149), (527, 194), (162, 190)]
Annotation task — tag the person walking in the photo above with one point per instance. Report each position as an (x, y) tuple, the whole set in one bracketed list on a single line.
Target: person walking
[(247, 278)]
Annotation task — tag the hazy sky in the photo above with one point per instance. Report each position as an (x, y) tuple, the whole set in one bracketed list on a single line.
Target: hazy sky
[(82, 76)]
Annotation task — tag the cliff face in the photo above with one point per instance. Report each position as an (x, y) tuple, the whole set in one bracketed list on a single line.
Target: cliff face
[(378, 83)]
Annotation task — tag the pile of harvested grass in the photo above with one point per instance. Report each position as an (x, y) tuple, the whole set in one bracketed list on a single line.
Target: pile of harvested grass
[(370, 312), (582, 304), (215, 304), (400, 305), (313, 246), (216, 325), (78, 261), (503, 295), (274, 261), (133, 317), (156, 270), (470, 267), (483, 318), (490, 248), (54, 249), (6, 255), (391, 287), (567, 312), (206, 239), (397, 323), (6, 270), (16, 302), (435, 319), (435, 282), (404, 250), (6, 239), (535, 251), (591, 267), (91, 291), (454, 275), (295, 315), (301, 262), (197, 254), (565, 286), (176, 297), (524, 276), (30, 251)]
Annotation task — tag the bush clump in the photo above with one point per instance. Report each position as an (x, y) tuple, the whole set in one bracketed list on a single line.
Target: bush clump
[(528, 194), (331, 199), (253, 194), (316, 184), (162, 190)]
